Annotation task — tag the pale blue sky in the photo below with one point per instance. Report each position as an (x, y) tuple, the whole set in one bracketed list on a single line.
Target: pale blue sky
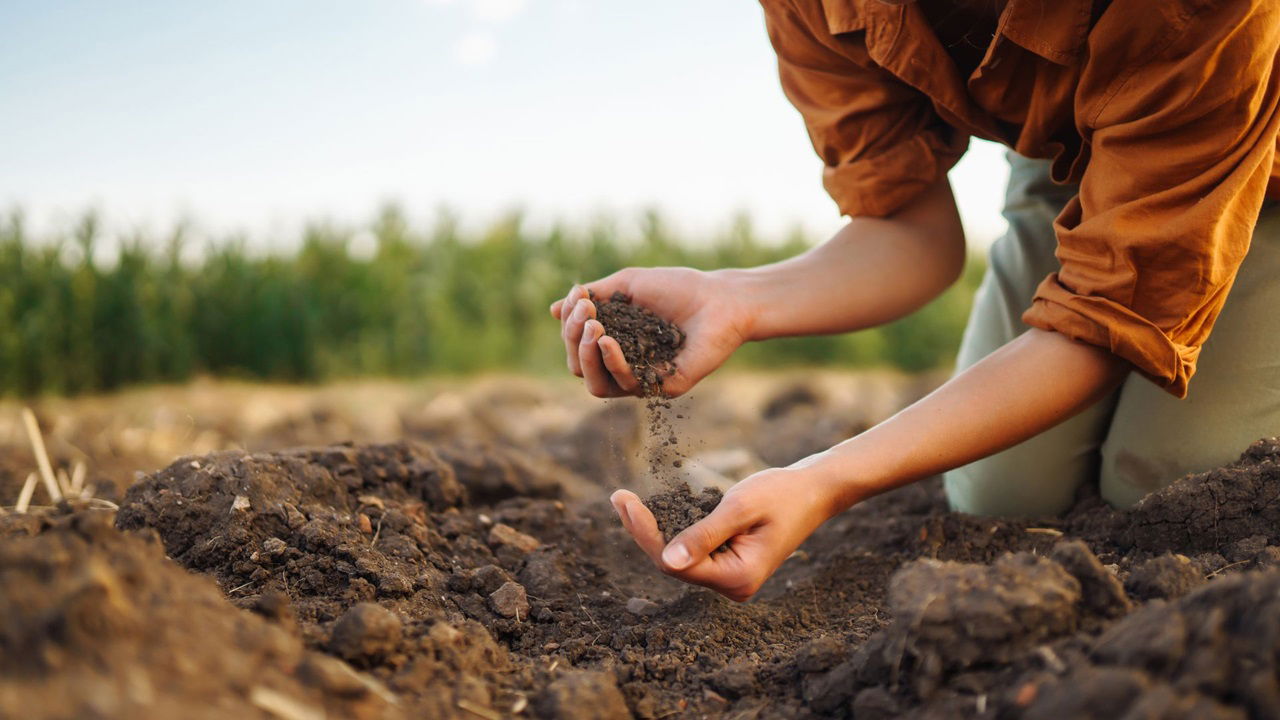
[(259, 115)]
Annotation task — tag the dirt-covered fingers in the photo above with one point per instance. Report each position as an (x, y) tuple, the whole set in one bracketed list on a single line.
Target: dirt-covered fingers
[(639, 523), (616, 363), (571, 330), (598, 380)]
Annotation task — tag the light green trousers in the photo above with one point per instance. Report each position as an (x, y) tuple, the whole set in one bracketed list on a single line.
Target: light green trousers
[(1140, 438)]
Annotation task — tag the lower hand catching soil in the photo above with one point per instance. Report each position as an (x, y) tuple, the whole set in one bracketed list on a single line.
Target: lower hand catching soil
[(702, 304), (760, 521)]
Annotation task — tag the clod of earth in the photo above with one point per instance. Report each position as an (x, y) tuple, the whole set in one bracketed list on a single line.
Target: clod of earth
[(364, 632), (510, 601), (648, 342), (984, 618)]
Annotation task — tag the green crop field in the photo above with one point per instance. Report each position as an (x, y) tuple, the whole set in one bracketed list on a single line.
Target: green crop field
[(423, 300)]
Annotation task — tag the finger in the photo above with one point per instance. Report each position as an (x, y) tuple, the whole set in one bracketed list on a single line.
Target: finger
[(555, 309), (618, 282), (599, 383), (616, 363), (728, 573), (566, 304), (696, 542), (583, 310), (639, 523)]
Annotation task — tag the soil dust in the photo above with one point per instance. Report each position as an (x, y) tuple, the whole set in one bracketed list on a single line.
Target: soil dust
[(650, 345)]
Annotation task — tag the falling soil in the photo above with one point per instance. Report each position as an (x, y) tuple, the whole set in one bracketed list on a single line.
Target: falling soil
[(650, 345), (431, 580)]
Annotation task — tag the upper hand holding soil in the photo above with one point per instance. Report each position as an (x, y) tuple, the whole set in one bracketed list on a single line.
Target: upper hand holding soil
[(713, 319), (733, 550)]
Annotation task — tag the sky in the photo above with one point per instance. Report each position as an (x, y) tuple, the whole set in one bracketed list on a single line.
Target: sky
[(257, 117)]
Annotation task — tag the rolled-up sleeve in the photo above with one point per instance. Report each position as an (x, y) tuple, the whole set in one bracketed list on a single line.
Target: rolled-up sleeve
[(1183, 136), (880, 141)]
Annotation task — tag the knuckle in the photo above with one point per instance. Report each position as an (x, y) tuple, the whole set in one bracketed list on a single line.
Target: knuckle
[(732, 505)]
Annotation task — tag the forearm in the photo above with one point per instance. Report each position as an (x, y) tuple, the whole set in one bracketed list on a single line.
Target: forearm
[(872, 272), (1022, 389)]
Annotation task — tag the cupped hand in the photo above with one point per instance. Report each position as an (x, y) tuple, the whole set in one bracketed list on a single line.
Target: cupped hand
[(716, 320), (761, 520)]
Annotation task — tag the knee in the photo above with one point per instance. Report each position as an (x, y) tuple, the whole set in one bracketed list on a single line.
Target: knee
[(1004, 486)]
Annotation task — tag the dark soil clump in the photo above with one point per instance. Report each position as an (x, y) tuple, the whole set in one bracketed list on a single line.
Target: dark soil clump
[(409, 580), (678, 508), (648, 342)]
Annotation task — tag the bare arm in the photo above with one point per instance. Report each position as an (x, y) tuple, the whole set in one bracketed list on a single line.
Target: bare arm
[(871, 272), (1024, 388), (1029, 385)]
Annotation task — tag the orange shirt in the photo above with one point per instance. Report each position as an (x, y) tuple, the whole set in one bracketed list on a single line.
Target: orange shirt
[(1165, 112)]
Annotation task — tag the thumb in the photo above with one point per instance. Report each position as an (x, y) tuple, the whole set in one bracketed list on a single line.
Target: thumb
[(696, 542)]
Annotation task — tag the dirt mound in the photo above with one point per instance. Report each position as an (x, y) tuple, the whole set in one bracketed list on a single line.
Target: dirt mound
[(1202, 512), (371, 549), (452, 582), (1211, 654), (648, 342), (96, 623)]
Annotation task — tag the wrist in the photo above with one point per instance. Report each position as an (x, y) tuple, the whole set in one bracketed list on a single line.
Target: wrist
[(845, 477), (747, 290)]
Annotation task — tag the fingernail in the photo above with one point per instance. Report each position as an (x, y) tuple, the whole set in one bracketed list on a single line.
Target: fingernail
[(676, 556)]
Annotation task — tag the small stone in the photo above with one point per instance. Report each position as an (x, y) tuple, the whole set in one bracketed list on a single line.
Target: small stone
[(366, 526), (510, 601), (293, 517), (240, 504), (642, 607), (274, 546), (505, 535), (366, 630)]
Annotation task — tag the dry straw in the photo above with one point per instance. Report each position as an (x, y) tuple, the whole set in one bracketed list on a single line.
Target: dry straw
[(59, 485)]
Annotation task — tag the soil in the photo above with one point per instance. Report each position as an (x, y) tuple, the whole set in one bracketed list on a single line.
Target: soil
[(678, 508), (650, 345), (648, 342), (447, 580)]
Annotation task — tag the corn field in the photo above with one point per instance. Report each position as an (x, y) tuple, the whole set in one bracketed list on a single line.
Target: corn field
[(420, 301)]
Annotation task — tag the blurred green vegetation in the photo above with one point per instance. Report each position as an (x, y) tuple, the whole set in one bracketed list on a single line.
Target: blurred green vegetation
[(438, 300)]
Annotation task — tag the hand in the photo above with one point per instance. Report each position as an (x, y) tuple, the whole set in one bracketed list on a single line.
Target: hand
[(762, 519), (706, 306)]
